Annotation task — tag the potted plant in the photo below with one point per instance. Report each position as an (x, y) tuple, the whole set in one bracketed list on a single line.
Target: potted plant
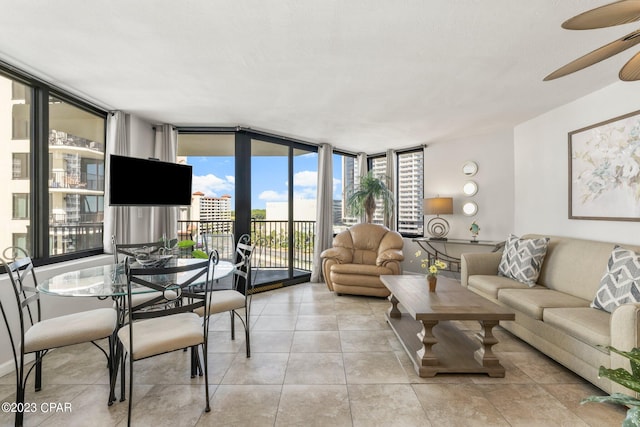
[(630, 380), (362, 198)]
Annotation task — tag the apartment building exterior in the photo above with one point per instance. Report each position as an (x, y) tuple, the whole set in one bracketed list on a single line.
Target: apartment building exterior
[(215, 212), (75, 172)]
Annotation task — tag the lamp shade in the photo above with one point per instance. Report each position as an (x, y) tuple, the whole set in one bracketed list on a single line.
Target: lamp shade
[(438, 206)]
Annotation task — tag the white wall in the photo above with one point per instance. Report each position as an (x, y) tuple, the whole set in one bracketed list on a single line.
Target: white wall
[(541, 162), (495, 197)]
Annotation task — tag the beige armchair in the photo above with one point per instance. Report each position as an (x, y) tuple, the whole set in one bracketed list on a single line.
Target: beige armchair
[(359, 256)]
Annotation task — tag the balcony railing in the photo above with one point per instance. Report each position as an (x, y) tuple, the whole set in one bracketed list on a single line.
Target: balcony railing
[(73, 219), (272, 238), (65, 139), (65, 239), (83, 180)]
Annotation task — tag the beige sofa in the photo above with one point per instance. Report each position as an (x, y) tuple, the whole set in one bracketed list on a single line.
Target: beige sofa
[(554, 315), (359, 256)]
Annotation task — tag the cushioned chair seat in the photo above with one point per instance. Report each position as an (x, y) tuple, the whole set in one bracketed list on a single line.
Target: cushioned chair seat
[(490, 285), (360, 269), (162, 335), (587, 324), (70, 329), (533, 302), (225, 300)]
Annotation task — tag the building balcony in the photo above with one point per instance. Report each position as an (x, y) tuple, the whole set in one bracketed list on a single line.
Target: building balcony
[(60, 179)]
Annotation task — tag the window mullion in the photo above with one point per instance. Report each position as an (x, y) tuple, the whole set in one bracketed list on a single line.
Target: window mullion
[(40, 169)]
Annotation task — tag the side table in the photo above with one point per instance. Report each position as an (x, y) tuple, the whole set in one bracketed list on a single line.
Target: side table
[(437, 249)]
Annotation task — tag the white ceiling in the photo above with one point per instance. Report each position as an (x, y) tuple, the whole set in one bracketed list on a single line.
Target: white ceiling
[(363, 75)]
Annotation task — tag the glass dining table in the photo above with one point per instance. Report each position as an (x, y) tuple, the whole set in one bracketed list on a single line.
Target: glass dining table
[(110, 281)]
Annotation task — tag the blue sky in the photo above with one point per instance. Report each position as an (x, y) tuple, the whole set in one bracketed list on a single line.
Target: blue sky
[(215, 176)]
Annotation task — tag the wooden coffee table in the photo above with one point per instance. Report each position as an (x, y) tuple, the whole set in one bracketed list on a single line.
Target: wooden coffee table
[(422, 320)]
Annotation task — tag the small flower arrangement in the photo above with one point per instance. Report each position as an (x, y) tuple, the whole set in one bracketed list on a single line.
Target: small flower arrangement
[(433, 268)]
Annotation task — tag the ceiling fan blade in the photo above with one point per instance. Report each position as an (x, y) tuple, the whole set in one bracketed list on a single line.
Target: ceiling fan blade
[(597, 55), (631, 70), (617, 13)]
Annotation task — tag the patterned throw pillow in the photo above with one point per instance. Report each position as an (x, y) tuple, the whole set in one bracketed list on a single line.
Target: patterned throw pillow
[(621, 282), (522, 259)]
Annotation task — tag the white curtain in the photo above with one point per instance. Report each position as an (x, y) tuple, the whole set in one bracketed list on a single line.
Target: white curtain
[(164, 219), (390, 220), (324, 209), (116, 218)]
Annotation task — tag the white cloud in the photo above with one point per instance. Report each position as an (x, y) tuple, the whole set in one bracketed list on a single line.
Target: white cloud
[(305, 179), (305, 193), (231, 179), (273, 196), (212, 186)]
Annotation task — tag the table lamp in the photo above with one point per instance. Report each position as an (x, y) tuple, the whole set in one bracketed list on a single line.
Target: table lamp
[(438, 227)]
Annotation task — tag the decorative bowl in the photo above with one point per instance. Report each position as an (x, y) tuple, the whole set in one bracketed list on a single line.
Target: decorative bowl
[(146, 260)]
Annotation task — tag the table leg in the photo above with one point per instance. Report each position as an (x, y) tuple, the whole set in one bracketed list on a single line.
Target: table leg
[(484, 355), (425, 356), (394, 312)]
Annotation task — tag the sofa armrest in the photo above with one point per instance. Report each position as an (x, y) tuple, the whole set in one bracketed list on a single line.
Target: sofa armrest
[(485, 263), (341, 255), (625, 322)]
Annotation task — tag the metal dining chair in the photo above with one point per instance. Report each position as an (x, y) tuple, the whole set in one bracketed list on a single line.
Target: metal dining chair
[(132, 250), (36, 335), (129, 251), (152, 330), (239, 297)]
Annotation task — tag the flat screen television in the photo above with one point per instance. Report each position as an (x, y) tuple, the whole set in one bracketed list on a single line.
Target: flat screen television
[(148, 182)]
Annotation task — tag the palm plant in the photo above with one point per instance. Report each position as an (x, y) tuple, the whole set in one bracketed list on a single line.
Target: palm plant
[(362, 198), (630, 380)]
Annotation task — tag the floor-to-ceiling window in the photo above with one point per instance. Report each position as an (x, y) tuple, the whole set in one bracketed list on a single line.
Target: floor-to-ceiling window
[(305, 195), (378, 166), (410, 193), (270, 196), (284, 178), (345, 173), (210, 220), (51, 169), (245, 182), (76, 177)]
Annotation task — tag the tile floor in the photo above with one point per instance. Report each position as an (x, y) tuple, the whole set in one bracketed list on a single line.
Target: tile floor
[(317, 360)]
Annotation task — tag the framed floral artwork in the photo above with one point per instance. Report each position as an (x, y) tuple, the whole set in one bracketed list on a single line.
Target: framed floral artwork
[(604, 170)]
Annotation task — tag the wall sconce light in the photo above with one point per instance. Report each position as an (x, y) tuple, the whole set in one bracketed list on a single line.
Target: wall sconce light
[(438, 227)]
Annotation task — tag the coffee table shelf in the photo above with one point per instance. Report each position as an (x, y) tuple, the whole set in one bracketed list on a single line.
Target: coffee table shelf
[(425, 325)]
